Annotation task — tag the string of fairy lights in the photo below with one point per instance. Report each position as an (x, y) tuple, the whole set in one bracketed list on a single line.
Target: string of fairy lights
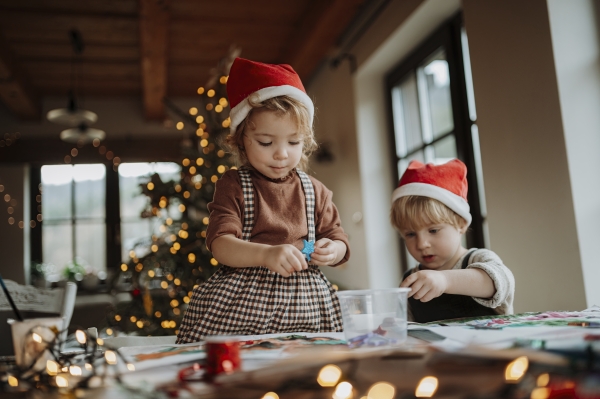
[(46, 369)]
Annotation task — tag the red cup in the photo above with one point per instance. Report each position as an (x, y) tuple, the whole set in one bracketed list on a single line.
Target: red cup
[(222, 355)]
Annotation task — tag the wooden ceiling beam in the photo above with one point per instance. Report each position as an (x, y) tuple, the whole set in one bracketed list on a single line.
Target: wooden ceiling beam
[(317, 32), (154, 29), (15, 90)]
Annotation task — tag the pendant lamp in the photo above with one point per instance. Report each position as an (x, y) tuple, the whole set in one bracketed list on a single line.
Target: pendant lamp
[(76, 118)]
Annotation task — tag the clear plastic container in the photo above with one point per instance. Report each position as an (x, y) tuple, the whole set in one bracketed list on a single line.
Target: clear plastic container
[(374, 317)]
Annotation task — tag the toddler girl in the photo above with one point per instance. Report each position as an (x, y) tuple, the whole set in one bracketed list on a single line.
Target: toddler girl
[(430, 211), (270, 223)]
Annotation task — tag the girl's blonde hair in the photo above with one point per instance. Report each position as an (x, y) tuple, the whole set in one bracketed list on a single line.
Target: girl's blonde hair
[(413, 212), (281, 105)]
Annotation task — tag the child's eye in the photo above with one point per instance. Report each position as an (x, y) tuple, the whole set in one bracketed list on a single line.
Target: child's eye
[(294, 142), (264, 144), (433, 231), (409, 235)]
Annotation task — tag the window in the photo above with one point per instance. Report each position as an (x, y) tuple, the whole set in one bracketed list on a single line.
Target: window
[(433, 119), (92, 213), (74, 225), (135, 228)]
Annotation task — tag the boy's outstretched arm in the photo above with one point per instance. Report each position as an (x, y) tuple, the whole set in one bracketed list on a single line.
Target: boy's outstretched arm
[(283, 259), (428, 284)]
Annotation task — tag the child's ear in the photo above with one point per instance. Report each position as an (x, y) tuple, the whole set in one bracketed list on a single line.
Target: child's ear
[(463, 226)]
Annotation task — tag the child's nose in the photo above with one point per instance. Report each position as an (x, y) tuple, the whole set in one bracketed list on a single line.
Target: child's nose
[(422, 242), (280, 153)]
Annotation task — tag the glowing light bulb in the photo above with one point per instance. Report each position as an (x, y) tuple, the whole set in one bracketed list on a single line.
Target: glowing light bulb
[(61, 381), (343, 391), (36, 337), (329, 375), (427, 387), (12, 381), (111, 357), (80, 337), (51, 367), (516, 369), (382, 390)]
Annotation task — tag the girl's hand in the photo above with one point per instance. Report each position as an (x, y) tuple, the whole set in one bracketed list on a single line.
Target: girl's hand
[(426, 284), (326, 253), (284, 259)]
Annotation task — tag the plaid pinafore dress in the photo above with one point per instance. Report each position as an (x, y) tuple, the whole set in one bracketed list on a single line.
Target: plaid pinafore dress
[(255, 300)]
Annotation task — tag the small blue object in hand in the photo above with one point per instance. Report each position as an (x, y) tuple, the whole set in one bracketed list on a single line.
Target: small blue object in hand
[(309, 248)]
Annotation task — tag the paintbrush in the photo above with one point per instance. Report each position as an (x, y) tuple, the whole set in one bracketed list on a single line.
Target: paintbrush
[(10, 300)]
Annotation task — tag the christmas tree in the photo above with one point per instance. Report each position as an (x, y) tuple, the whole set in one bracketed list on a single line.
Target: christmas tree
[(163, 271)]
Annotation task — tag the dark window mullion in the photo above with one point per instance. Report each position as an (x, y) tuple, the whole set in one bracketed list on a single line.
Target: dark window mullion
[(412, 152)]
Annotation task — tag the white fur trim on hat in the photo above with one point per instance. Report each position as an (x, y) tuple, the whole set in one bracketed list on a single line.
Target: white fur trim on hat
[(240, 111), (448, 198)]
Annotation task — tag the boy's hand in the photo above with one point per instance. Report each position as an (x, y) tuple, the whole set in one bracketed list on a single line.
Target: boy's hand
[(426, 284), (326, 253), (284, 259)]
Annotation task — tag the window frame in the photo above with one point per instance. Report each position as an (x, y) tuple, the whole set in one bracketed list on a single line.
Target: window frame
[(112, 216), (448, 36)]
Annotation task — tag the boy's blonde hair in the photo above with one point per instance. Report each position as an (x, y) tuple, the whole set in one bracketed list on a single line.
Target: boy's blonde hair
[(282, 105), (412, 212)]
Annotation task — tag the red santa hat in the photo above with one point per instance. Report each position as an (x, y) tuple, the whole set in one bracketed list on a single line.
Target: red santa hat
[(446, 183), (262, 81)]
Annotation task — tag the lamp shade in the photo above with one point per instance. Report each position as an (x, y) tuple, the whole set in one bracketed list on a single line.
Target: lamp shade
[(71, 117), (82, 134)]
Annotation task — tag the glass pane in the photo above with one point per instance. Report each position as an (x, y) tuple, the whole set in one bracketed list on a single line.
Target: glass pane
[(132, 233), (444, 150), (407, 121), (468, 75), (56, 192), (57, 246), (90, 241), (90, 190), (131, 175), (437, 78)]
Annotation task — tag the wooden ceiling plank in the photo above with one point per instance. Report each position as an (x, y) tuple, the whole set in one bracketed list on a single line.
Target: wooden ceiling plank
[(317, 33), (15, 89), (154, 29), (76, 6)]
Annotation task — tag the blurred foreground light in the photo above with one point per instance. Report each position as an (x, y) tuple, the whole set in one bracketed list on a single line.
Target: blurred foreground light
[(516, 369), (427, 387), (343, 391), (12, 381), (80, 336), (61, 381), (270, 395), (329, 375), (540, 393), (37, 338), (543, 380), (382, 390), (111, 357), (75, 370), (51, 367)]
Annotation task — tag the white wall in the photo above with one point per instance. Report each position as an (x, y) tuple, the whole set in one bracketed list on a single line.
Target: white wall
[(334, 123), (577, 54), (524, 158)]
